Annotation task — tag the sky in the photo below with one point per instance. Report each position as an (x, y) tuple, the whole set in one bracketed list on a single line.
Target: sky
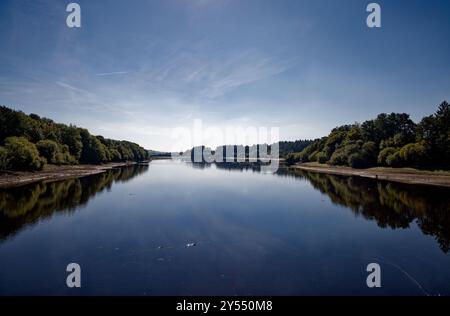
[(137, 70)]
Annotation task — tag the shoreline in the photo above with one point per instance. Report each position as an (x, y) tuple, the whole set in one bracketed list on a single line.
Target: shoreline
[(402, 175), (51, 173)]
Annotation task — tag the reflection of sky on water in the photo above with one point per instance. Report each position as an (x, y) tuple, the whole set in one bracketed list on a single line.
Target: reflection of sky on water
[(254, 233)]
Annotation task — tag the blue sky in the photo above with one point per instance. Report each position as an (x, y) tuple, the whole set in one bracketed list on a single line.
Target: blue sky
[(137, 69)]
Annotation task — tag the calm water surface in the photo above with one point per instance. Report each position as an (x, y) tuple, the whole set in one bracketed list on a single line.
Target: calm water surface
[(293, 233)]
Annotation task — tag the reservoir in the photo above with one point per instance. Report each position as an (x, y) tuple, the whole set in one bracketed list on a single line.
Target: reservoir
[(177, 228)]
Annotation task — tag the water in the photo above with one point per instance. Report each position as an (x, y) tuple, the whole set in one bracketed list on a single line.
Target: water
[(173, 228)]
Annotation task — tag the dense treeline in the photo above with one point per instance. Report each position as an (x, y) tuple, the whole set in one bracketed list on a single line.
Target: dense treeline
[(287, 147), (255, 151), (391, 140), (28, 142)]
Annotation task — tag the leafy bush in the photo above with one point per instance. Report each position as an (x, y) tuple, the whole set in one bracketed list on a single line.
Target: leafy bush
[(23, 155), (54, 153), (369, 154), (63, 157), (48, 149), (386, 152), (322, 157), (413, 154), (3, 158), (338, 158), (313, 156), (115, 155), (356, 160), (394, 160)]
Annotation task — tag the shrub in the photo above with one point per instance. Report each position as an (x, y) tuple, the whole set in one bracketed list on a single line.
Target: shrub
[(322, 157), (369, 154), (386, 152), (338, 158), (413, 154), (48, 149), (115, 155), (356, 160), (313, 156), (63, 157), (394, 160), (93, 149), (23, 155), (55, 153), (3, 159)]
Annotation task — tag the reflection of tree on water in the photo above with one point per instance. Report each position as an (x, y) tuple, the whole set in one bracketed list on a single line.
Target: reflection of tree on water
[(390, 204), (26, 205), (230, 166)]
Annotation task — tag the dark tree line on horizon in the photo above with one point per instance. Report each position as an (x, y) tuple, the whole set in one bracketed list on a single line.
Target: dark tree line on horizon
[(255, 151), (29, 142), (390, 140)]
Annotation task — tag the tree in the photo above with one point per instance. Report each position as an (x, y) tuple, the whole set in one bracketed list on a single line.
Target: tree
[(414, 154), (62, 144), (356, 160), (115, 155), (369, 154), (394, 159), (55, 153), (386, 152), (322, 157), (286, 148), (434, 130), (48, 149), (388, 140), (63, 157), (23, 155), (93, 150), (71, 137), (3, 159), (338, 158), (386, 126)]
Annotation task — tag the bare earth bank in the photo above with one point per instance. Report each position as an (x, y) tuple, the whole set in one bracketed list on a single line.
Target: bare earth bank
[(403, 175), (54, 173)]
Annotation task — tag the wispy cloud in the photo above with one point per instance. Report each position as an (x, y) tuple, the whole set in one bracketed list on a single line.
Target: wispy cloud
[(114, 73), (210, 76), (241, 71)]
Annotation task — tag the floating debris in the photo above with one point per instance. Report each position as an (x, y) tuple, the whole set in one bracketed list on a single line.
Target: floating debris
[(191, 244)]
